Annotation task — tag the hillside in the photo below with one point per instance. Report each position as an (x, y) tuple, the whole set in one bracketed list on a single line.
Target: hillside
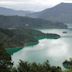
[(15, 38), (61, 13), (27, 22), (11, 38)]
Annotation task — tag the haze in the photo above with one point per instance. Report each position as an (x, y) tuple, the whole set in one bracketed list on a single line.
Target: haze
[(32, 5)]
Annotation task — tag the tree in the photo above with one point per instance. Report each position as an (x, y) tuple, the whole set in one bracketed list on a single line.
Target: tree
[(35, 67), (5, 60)]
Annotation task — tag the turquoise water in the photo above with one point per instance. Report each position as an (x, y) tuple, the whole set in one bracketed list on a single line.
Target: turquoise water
[(56, 51), (11, 51)]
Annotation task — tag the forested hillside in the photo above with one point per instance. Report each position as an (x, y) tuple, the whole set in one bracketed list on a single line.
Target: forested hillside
[(27, 22)]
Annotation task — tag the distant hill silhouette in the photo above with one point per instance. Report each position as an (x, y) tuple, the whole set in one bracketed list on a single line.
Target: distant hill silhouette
[(61, 13), (11, 12)]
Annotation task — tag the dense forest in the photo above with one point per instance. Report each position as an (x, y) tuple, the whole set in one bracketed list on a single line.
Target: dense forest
[(27, 22), (22, 37)]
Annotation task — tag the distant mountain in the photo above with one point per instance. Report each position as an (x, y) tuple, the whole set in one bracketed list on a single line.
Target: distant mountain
[(61, 13), (29, 23), (11, 12)]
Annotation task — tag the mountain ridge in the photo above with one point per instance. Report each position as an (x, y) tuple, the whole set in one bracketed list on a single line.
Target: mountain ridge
[(11, 12), (61, 12)]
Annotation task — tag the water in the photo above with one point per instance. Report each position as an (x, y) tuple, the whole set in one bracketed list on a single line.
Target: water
[(54, 50)]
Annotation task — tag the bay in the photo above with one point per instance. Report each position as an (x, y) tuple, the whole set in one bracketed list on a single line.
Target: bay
[(54, 50)]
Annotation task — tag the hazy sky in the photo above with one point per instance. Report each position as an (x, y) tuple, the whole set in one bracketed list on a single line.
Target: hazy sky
[(35, 5)]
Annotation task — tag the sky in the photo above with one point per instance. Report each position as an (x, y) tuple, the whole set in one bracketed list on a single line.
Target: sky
[(32, 5)]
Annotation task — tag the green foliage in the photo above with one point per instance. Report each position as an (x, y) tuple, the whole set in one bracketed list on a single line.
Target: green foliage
[(17, 38), (5, 60), (69, 70), (34, 67), (68, 64)]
